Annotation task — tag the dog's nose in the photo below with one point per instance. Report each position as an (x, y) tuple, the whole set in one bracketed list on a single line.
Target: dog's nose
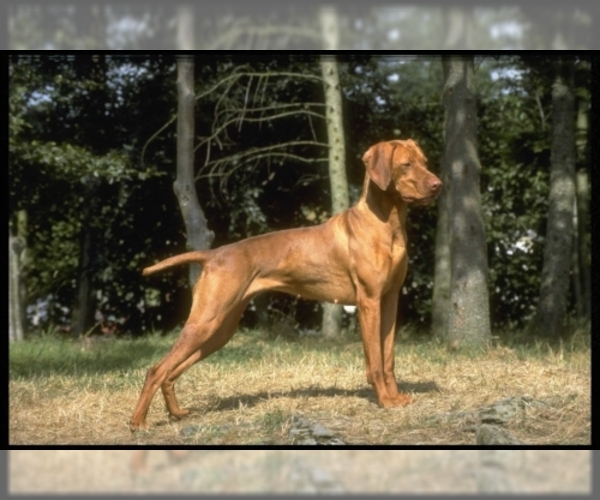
[(435, 184)]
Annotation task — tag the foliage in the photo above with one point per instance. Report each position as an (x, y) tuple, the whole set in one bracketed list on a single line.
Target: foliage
[(69, 179)]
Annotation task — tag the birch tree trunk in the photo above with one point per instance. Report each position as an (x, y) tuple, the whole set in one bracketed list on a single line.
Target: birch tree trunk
[(332, 313), (198, 235)]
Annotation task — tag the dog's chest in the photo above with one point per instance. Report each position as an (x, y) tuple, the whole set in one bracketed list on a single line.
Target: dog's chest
[(398, 248)]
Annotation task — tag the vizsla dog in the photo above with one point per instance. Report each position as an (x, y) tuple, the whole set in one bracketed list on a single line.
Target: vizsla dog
[(356, 257)]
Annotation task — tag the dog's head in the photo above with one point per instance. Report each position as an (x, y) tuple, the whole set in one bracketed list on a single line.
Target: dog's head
[(401, 166)]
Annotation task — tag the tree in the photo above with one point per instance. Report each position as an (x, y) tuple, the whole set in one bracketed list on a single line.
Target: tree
[(332, 313), (260, 150), (468, 312), (581, 250), (199, 237), (551, 310), (440, 301), (74, 122), (262, 116), (15, 304)]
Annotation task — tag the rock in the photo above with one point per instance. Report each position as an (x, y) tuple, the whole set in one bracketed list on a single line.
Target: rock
[(304, 432), (487, 435)]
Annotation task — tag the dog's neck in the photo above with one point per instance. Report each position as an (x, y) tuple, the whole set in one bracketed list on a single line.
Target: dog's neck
[(387, 205)]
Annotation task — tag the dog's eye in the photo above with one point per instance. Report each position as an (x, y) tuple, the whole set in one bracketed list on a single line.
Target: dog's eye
[(406, 165)]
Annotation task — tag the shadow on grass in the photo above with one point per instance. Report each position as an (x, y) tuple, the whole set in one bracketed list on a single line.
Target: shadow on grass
[(255, 399)]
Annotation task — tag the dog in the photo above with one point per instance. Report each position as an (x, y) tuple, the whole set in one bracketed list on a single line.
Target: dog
[(357, 257)]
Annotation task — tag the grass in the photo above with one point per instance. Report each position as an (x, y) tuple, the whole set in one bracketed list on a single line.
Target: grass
[(64, 392)]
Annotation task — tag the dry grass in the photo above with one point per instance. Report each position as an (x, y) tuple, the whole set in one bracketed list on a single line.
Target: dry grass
[(247, 393)]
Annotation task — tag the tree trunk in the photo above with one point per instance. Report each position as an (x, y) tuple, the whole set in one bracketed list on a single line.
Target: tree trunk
[(332, 313), (15, 309), (576, 270), (583, 207), (198, 235), (551, 310), (82, 314), (441, 282), (469, 318)]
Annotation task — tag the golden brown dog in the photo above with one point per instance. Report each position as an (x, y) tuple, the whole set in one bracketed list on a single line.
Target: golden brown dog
[(356, 257)]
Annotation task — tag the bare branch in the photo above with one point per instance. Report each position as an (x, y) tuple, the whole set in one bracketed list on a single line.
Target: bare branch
[(542, 116), (225, 124), (243, 110), (263, 152), (155, 135), (233, 108), (231, 79), (236, 74), (217, 167)]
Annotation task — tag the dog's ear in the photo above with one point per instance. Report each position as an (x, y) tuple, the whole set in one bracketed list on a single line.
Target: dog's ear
[(378, 161)]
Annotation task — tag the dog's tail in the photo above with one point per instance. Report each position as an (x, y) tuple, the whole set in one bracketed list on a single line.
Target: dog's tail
[(184, 258)]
